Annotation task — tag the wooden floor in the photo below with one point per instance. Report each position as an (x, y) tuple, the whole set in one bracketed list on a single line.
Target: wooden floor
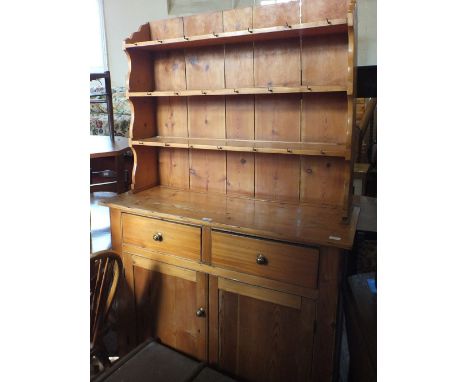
[(100, 222)]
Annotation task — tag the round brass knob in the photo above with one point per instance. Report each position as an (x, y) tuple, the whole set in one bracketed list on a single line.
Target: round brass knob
[(158, 237), (201, 312), (261, 260)]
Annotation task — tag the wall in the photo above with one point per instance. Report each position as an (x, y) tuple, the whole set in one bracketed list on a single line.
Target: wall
[(367, 32), (123, 17)]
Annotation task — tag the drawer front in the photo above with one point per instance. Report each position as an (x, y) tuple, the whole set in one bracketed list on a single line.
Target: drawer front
[(158, 235), (283, 262)]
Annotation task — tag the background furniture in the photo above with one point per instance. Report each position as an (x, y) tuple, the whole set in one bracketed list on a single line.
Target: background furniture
[(107, 166), (105, 97), (361, 319), (233, 236), (108, 163), (105, 275), (99, 121)]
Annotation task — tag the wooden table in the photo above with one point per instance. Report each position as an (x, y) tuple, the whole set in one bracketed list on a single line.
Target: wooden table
[(106, 154)]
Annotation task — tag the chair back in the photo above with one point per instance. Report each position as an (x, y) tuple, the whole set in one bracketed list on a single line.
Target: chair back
[(106, 270)]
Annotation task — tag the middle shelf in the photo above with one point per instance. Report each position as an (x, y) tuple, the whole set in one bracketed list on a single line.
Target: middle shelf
[(250, 90), (271, 147)]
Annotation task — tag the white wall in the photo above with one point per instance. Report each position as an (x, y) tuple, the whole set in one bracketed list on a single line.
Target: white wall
[(367, 32), (123, 17)]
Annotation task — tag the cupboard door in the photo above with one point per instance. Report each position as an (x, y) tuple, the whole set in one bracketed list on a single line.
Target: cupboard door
[(263, 335), (171, 305)]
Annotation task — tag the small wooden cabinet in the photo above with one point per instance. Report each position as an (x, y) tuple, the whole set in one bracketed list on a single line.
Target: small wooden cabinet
[(233, 235), (269, 320)]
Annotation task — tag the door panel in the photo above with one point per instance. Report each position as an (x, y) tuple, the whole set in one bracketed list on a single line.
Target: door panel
[(166, 302), (262, 340)]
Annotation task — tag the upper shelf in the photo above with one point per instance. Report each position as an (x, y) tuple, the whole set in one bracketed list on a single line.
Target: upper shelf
[(260, 34), (256, 90)]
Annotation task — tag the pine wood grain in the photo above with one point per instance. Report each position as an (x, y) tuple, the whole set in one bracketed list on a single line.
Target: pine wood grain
[(205, 68), (145, 171), (263, 294), (177, 239), (270, 60), (274, 329), (143, 123), (171, 117), (163, 268), (265, 16), (221, 272), (125, 308), (206, 244), (213, 320), (288, 263), (322, 180), (240, 117), (169, 70), (240, 174), (291, 222), (165, 309), (278, 117), (167, 28), (325, 60), (140, 71), (203, 23), (239, 65), (330, 274), (313, 10), (241, 91), (249, 146), (315, 28), (174, 168), (207, 117), (142, 34), (208, 171), (277, 177), (324, 118), (237, 19)]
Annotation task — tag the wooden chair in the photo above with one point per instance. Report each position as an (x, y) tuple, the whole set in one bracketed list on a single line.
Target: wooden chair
[(106, 271)]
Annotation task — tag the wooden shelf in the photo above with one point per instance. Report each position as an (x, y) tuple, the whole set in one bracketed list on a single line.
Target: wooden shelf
[(299, 223), (239, 91), (249, 35), (272, 147)]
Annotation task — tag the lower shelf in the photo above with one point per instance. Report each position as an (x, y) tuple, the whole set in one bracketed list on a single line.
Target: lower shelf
[(272, 147)]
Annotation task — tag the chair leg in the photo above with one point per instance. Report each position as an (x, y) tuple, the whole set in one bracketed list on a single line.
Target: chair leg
[(101, 355)]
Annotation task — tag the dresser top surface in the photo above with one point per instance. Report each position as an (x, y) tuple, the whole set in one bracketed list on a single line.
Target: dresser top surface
[(296, 223)]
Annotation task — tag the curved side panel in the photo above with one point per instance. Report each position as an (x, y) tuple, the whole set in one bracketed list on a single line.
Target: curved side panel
[(145, 170), (140, 76), (350, 131), (143, 121), (142, 34)]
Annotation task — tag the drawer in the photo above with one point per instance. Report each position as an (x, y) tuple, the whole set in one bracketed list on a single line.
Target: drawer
[(173, 238), (283, 262)]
